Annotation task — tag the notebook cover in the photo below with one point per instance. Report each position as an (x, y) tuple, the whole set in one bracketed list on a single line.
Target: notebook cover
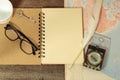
[(10, 50)]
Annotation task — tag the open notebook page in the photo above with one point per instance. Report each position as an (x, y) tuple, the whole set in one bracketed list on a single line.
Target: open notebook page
[(63, 35)]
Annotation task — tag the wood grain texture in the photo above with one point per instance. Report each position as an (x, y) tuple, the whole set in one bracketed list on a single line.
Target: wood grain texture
[(37, 3), (32, 72)]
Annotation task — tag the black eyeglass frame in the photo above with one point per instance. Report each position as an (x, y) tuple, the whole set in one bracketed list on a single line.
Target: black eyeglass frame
[(25, 38)]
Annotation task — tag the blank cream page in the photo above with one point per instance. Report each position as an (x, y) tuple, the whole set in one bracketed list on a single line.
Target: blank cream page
[(63, 35)]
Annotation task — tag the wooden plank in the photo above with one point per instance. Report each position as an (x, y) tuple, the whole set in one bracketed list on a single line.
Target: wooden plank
[(37, 3), (32, 72)]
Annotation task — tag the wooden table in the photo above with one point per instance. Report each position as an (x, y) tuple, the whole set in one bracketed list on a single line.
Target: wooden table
[(37, 3), (34, 72)]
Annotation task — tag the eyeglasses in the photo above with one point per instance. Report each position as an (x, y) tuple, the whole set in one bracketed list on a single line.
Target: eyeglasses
[(14, 34)]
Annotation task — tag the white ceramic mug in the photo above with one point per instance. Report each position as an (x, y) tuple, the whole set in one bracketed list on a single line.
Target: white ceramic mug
[(6, 11)]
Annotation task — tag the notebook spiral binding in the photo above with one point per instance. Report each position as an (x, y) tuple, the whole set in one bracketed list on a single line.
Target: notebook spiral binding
[(41, 34)]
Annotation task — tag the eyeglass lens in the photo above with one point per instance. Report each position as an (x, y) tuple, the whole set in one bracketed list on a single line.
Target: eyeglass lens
[(26, 47), (11, 34)]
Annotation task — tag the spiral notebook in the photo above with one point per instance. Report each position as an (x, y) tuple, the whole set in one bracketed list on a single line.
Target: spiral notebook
[(60, 35), (57, 33)]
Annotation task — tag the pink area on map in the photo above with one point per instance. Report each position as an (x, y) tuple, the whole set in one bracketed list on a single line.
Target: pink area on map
[(104, 23)]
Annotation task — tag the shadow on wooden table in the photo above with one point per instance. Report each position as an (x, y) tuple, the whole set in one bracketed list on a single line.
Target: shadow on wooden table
[(37, 3), (32, 72)]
